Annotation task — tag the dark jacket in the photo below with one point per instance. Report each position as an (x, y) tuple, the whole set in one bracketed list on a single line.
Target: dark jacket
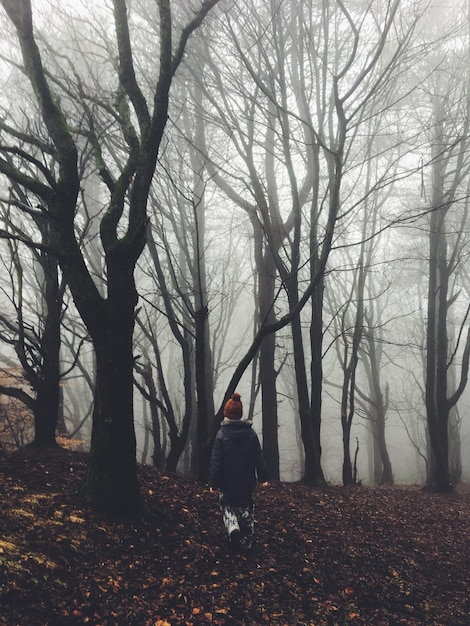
[(236, 460)]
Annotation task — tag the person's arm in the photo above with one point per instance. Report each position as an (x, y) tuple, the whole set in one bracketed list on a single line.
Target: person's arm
[(261, 467), (215, 470)]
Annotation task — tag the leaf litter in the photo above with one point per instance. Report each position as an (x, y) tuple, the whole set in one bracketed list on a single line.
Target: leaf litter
[(322, 557)]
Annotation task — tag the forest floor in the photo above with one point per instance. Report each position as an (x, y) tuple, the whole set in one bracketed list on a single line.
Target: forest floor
[(378, 556)]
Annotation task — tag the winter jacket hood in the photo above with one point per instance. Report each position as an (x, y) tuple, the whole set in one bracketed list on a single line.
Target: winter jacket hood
[(227, 421)]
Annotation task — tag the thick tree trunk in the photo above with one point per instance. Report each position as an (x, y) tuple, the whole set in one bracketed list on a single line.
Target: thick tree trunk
[(47, 404), (439, 478), (267, 377), (111, 481), (174, 455), (313, 469), (307, 430), (267, 370), (204, 386), (45, 411)]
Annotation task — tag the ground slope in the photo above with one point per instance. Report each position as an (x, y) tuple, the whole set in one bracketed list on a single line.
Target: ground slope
[(375, 556)]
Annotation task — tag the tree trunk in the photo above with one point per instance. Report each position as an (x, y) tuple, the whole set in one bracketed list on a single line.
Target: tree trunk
[(305, 413), (347, 473), (313, 469), (378, 403), (205, 402), (437, 406), (454, 436), (46, 409), (158, 458), (111, 481), (204, 364), (386, 473), (267, 370), (455, 454), (47, 404)]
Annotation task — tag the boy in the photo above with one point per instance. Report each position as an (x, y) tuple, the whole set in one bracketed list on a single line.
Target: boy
[(236, 460)]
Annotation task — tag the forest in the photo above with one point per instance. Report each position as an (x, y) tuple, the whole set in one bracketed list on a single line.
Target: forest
[(205, 197), (268, 197)]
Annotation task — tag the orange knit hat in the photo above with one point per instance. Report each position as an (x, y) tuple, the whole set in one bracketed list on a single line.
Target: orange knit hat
[(233, 408)]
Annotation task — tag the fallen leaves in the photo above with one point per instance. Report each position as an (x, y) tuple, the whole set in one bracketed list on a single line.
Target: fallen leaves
[(323, 557)]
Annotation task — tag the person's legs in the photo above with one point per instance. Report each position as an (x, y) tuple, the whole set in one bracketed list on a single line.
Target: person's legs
[(246, 521), (239, 521), (231, 523)]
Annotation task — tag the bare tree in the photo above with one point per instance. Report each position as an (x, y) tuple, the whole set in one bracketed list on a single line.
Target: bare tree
[(449, 168), (295, 165), (36, 294), (111, 480)]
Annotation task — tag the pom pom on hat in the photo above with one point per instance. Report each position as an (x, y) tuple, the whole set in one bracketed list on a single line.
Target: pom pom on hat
[(233, 408)]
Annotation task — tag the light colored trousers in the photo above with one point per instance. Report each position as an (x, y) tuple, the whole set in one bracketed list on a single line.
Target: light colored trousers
[(239, 517)]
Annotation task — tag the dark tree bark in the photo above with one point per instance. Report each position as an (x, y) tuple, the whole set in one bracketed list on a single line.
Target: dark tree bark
[(267, 372), (313, 469), (111, 480), (48, 398), (205, 409)]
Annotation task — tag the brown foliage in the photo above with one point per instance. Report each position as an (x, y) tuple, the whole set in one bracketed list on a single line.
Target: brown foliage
[(328, 556)]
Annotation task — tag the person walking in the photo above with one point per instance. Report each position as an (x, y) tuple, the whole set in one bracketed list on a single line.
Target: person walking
[(236, 462)]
